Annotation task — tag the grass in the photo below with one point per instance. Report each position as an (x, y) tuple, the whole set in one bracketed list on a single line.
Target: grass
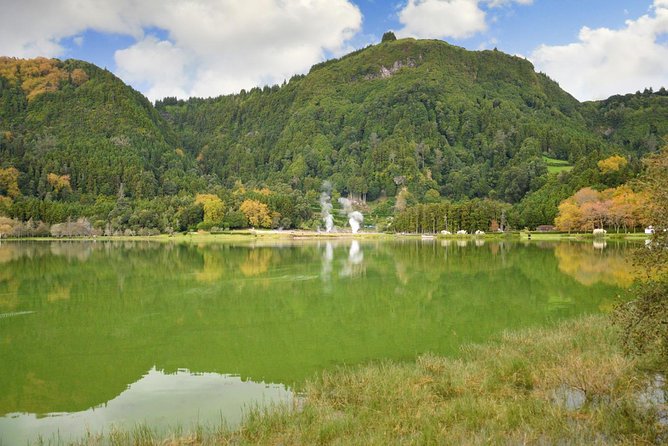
[(556, 166), (568, 384)]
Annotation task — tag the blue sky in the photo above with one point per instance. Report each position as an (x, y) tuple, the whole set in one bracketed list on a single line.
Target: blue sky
[(594, 48)]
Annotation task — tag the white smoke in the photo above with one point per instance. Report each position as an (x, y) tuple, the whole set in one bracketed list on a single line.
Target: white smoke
[(355, 218), (355, 221), (326, 206)]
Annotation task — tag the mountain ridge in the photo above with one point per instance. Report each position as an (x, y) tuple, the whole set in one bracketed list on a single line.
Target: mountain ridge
[(424, 115)]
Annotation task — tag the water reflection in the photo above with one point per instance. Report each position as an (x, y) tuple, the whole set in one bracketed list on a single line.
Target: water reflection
[(353, 265), (81, 321), (600, 244), (597, 264), (161, 400)]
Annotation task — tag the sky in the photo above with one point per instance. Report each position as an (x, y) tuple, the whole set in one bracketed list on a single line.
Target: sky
[(184, 48)]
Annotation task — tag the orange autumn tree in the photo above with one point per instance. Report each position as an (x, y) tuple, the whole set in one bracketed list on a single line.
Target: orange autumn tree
[(616, 208)]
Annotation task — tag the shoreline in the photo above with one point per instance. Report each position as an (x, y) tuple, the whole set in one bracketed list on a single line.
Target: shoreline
[(567, 383), (297, 235)]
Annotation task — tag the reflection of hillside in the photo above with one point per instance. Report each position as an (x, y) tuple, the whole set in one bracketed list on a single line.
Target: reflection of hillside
[(132, 306), (589, 265), (204, 397)]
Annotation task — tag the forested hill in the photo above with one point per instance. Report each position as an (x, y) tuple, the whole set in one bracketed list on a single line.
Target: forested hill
[(423, 116), (418, 112), (637, 122), (73, 118)]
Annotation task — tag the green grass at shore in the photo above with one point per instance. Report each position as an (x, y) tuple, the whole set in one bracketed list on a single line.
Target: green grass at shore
[(568, 384)]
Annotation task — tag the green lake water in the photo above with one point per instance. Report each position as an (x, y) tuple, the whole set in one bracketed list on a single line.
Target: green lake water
[(102, 334)]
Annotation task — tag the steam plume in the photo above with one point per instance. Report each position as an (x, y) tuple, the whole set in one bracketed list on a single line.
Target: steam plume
[(355, 218), (326, 206)]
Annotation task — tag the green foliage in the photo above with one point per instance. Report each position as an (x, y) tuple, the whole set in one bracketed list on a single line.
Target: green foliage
[(637, 122), (420, 115), (644, 320), (469, 215), (423, 114), (99, 131)]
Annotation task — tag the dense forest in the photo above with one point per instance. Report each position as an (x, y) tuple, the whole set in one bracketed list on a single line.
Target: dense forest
[(396, 125)]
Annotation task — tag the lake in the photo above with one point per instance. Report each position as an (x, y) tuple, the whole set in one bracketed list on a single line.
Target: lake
[(102, 334)]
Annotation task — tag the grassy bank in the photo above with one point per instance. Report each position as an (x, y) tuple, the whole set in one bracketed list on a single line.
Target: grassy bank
[(568, 384)]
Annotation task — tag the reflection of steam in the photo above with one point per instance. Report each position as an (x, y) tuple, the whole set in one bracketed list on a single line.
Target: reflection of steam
[(329, 252), (327, 259), (326, 206), (355, 218), (479, 242), (600, 244), (355, 259), (355, 256), (462, 243)]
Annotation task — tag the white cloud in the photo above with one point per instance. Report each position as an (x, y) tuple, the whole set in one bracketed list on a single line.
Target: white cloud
[(499, 3), (442, 18), (159, 64), (213, 46), (448, 18), (605, 61)]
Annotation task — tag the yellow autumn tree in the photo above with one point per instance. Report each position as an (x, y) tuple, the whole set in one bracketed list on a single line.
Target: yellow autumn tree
[(9, 182), (59, 183), (612, 164), (570, 216), (256, 213), (214, 208)]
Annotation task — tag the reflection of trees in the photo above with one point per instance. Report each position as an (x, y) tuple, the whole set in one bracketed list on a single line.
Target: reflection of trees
[(59, 293), (588, 265), (213, 268), (257, 262), (127, 307)]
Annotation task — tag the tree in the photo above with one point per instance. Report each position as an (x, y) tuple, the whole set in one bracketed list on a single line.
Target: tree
[(432, 196), (388, 37), (59, 183), (570, 216), (214, 208), (9, 182), (643, 321), (612, 164), (404, 199), (256, 213)]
